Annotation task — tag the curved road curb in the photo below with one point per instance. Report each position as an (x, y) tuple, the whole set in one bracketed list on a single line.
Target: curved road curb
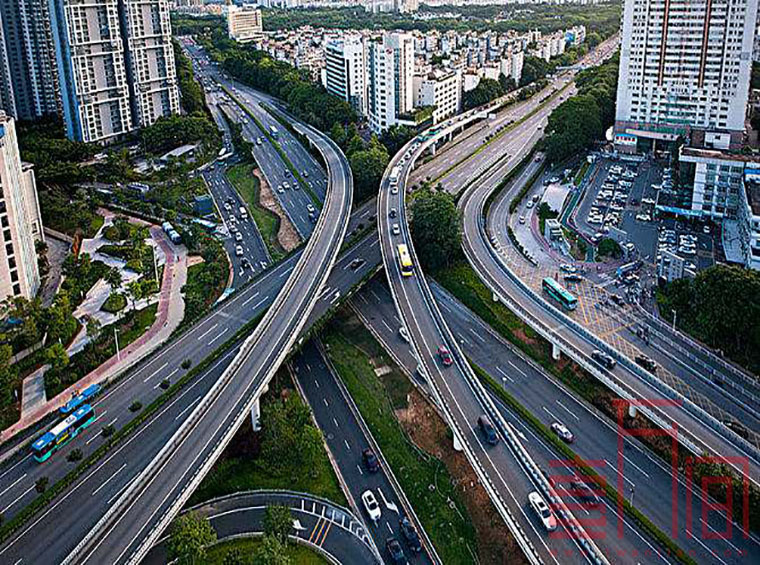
[(323, 526)]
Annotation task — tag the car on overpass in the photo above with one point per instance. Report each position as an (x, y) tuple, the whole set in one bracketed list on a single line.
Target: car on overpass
[(371, 506), (603, 359), (485, 425)]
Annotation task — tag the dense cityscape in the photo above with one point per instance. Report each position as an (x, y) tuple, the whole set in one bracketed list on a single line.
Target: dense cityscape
[(379, 281)]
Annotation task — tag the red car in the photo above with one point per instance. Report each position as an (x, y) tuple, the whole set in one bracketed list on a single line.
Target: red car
[(445, 356)]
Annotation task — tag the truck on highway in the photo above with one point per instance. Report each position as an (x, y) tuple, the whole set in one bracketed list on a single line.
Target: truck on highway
[(395, 173), (273, 132)]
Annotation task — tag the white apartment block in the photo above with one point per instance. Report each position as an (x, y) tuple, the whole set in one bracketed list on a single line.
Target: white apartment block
[(684, 71), (749, 217), (381, 87), (442, 89), (151, 70), (390, 80), (20, 222), (115, 64), (244, 23), (346, 71)]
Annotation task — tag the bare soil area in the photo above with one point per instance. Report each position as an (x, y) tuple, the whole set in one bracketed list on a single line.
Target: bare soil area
[(287, 236)]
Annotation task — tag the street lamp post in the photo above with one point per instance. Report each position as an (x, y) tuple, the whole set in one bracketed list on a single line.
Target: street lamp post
[(116, 339), (674, 320)]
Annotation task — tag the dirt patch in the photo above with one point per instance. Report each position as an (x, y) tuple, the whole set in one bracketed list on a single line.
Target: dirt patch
[(429, 432), (194, 260), (287, 236), (525, 338)]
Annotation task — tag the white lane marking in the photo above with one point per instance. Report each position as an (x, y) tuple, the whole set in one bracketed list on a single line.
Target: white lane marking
[(260, 302), (360, 470), (15, 465), (108, 480), (208, 331), (347, 446), (154, 373), (566, 409), (639, 469), (516, 368), (721, 535), (611, 466), (247, 300), (220, 334), (184, 410), (550, 414), (478, 336), (506, 376), (13, 484), (387, 326), (337, 425), (22, 495)]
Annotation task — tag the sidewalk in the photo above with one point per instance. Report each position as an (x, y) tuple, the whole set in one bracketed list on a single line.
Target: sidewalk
[(171, 309)]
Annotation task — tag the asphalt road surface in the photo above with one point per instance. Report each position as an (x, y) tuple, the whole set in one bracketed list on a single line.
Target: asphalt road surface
[(346, 440)]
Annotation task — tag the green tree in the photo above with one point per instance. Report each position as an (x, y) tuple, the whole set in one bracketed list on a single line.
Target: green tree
[(487, 90), (368, 166), (435, 229), (57, 356), (278, 522), (395, 137), (289, 439), (234, 556), (93, 328), (113, 278), (7, 375), (191, 533), (135, 290), (271, 552), (534, 69)]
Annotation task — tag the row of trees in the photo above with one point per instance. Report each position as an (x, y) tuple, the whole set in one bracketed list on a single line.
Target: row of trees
[(582, 119), (436, 229), (719, 307)]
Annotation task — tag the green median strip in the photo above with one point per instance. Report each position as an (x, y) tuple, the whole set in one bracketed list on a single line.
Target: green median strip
[(669, 545), (499, 135), (288, 163)]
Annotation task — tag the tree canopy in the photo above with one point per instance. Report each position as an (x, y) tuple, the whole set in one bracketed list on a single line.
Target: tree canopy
[(191, 533), (289, 439), (719, 307), (487, 90), (435, 229)]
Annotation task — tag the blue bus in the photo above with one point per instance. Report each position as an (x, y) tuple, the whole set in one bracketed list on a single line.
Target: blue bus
[(63, 432), (79, 399), (555, 290)]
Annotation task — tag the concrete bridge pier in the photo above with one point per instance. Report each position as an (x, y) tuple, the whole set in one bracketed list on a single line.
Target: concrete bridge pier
[(555, 351), (457, 444), (256, 411)]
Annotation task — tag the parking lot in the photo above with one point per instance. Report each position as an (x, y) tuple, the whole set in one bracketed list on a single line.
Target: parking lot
[(624, 195)]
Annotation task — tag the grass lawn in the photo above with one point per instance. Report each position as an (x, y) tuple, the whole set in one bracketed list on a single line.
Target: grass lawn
[(449, 527), (298, 554), (114, 303), (247, 184)]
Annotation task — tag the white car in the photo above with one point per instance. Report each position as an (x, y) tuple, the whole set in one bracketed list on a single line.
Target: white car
[(395, 229), (239, 250), (238, 236), (310, 208), (522, 219), (542, 511), (394, 190), (402, 331), (371, 505)]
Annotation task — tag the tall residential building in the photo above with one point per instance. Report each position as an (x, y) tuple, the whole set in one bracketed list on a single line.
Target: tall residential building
[(244, 23), (151, 71), (345, 71), (20, 223), (402, 45), (28, 44), (381, 82), (7, 97), (115, 64), (684, 71)]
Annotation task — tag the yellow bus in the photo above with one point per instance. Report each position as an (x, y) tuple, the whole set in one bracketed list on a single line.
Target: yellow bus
[(405, 260)]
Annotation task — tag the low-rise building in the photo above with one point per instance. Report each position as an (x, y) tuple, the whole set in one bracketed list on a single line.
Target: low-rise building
[(442, 89), (244, 23)]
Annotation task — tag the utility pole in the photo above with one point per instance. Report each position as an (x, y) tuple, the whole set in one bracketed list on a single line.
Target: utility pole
[(116, 338), (674, 320)]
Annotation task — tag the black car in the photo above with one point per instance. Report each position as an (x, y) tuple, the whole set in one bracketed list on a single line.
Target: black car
[(392, 213), (394, 549), (410, 535), (488, 430), (603, 359), (585, 493), (356, 263), (370, 460), (646, 363), (573, 277)]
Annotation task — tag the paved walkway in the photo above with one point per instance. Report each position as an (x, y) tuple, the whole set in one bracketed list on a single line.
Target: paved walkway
[(318, 524), (171, 309)]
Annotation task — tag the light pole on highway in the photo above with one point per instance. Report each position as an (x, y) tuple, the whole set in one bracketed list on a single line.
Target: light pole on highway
[(633, 491), (674, 319), (116, 339)]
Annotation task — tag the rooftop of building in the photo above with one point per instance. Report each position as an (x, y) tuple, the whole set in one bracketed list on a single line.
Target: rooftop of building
[(719, 154)]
